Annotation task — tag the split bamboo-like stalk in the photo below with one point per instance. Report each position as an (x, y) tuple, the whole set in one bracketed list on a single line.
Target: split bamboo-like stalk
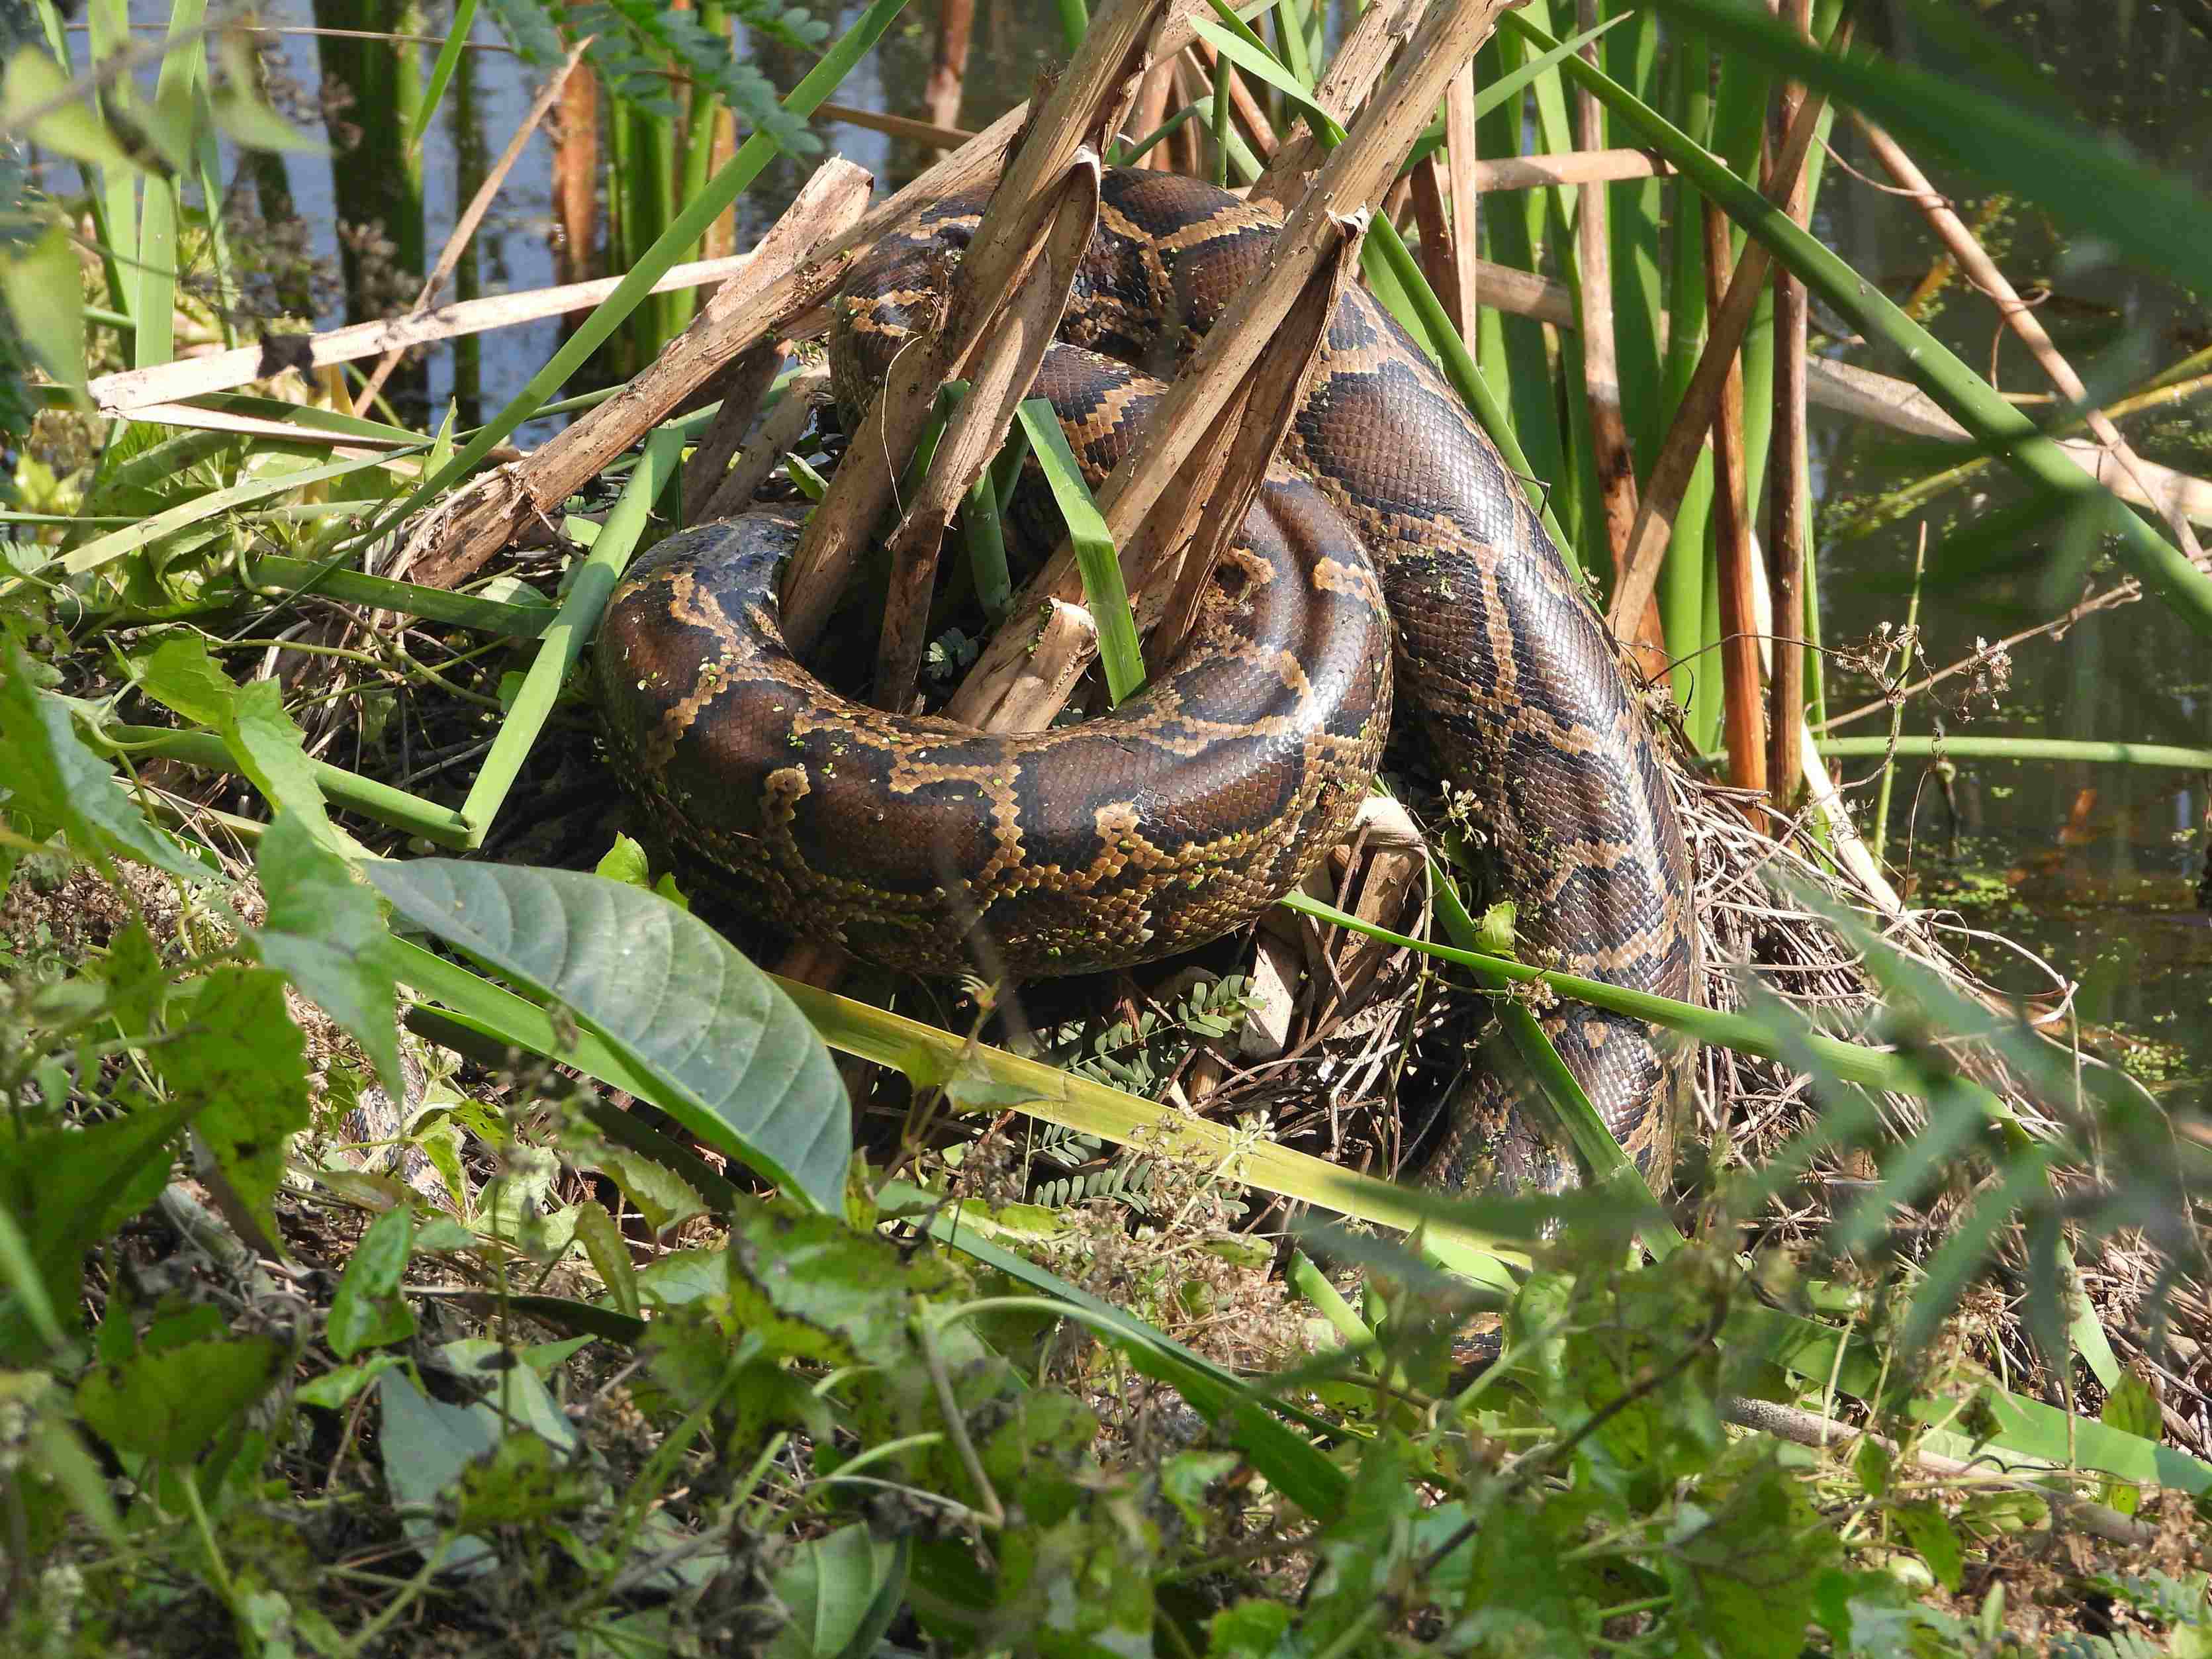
[(777, 431), (1789, 512), (1002, 370), (1743, 707), (1253, 427), (744, 383)]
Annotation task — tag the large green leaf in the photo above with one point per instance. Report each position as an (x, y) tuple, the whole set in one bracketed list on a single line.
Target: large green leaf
[(738, 1063), (54, 782), (841, 1593)]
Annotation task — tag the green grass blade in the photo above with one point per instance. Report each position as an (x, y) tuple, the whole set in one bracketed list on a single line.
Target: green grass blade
[(441, 72), (1074, 23), (154, 308), (1850, 1062), (1103, 590), (274, 573), (114, 545), (935, 1058), (1610, 1170), (2054, 750), (396, 807), (562, 642), (1290, 1463)]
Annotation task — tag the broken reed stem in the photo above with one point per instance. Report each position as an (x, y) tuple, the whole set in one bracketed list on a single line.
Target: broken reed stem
[(1084, 109), (129, 392), (1151, 110), (1789, 510), (1001, 374), (744, 383), (1188, 140), (1341, 89), (1464, 174), (778, 429), (1743, 710), (1609, 453), (1136, 500), (1254, 426), (1638, 575), (1446, 187)]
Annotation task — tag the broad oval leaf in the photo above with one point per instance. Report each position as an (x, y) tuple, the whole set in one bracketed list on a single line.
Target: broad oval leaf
[(738, 1064)]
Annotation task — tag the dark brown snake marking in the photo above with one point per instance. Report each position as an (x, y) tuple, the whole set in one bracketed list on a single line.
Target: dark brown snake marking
[(1206, 797)]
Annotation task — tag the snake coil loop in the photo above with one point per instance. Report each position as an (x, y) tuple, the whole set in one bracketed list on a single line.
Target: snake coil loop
[(1207, 797)]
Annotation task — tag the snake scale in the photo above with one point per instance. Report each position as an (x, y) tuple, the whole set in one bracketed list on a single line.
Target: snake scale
[(1207, 796)]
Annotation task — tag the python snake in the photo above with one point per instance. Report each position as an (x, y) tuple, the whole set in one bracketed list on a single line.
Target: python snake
[(1207, 797)]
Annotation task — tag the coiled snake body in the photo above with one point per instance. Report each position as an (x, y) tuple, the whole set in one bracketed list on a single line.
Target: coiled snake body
[(1207, 796)]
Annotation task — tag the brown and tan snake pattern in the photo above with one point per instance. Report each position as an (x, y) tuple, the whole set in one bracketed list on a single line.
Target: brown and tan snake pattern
[(1207, 797)]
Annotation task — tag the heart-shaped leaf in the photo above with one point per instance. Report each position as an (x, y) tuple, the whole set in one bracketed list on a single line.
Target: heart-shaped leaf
[(738, 1064)]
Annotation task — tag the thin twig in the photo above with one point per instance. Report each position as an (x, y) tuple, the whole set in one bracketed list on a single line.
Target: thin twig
[(1975, 261)]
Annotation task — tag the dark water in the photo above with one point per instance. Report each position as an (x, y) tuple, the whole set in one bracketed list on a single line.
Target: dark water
[(2092, 865)]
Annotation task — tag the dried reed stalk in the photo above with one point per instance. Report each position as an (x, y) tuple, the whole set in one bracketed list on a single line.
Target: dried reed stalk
[(1609, 450), (948, 68), (576, 177), (1149, 111), (1355, 176), (1789, 510), (1743, 707), (764, 448), (129, 392), (1250, 429), (1083, 109), (1359, 62), (744, 383), (1975, 261), (1002, 369)]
